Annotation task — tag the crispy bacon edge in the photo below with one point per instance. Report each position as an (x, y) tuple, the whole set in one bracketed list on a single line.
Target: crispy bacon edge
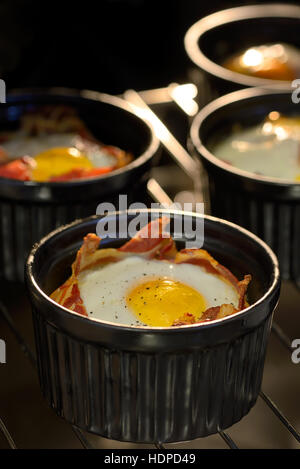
[(205, 260), (151, 242)]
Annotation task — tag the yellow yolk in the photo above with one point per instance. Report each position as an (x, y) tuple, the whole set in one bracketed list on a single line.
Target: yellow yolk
[(298, 178), (58, 161), (160, 302)]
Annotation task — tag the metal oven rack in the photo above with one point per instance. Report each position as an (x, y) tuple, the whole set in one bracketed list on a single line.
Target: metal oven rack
[(273, 421)]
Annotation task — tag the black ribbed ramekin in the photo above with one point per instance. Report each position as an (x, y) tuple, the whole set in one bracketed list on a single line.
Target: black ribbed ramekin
[(215, 38), (152, 384), (268, 207), (30, 210)]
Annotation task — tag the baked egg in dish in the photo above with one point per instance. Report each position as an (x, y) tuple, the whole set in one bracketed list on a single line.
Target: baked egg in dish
[(52, 145), (148, 282), (276, 61), (270, 149)]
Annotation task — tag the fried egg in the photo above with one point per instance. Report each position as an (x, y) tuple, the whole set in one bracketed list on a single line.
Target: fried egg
[(268, 149), (56, 154), (137, 292)]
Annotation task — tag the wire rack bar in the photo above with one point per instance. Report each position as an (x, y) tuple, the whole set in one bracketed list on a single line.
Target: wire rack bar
[(282, 337), (280, 415), (228, 440), (175, 149), (81, 437), (19, 338), (7, 435), (159, 446)]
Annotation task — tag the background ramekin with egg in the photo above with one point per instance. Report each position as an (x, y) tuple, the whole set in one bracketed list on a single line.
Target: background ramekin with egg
[(266, 205), (32, 208), (245, 46), (152, 384)]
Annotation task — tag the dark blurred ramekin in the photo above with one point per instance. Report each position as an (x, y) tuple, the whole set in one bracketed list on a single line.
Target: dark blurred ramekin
[(145, 384), (30, 210), (268, 207), (217, 37)]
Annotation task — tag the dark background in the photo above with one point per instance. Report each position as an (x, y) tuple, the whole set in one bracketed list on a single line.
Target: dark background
[(105, 45)]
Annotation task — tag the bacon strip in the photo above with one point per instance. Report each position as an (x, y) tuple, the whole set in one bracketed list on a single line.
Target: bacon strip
[(152, 240), (20, 168), (204, 259), (242, 288), (218, 312)]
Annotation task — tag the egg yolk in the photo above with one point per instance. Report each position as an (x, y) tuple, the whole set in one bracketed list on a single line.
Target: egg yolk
[(58, 161), (160, 302), (298, 178)]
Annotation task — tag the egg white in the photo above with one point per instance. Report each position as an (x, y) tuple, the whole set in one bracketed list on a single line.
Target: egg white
[(251, 150), (103, 290)]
